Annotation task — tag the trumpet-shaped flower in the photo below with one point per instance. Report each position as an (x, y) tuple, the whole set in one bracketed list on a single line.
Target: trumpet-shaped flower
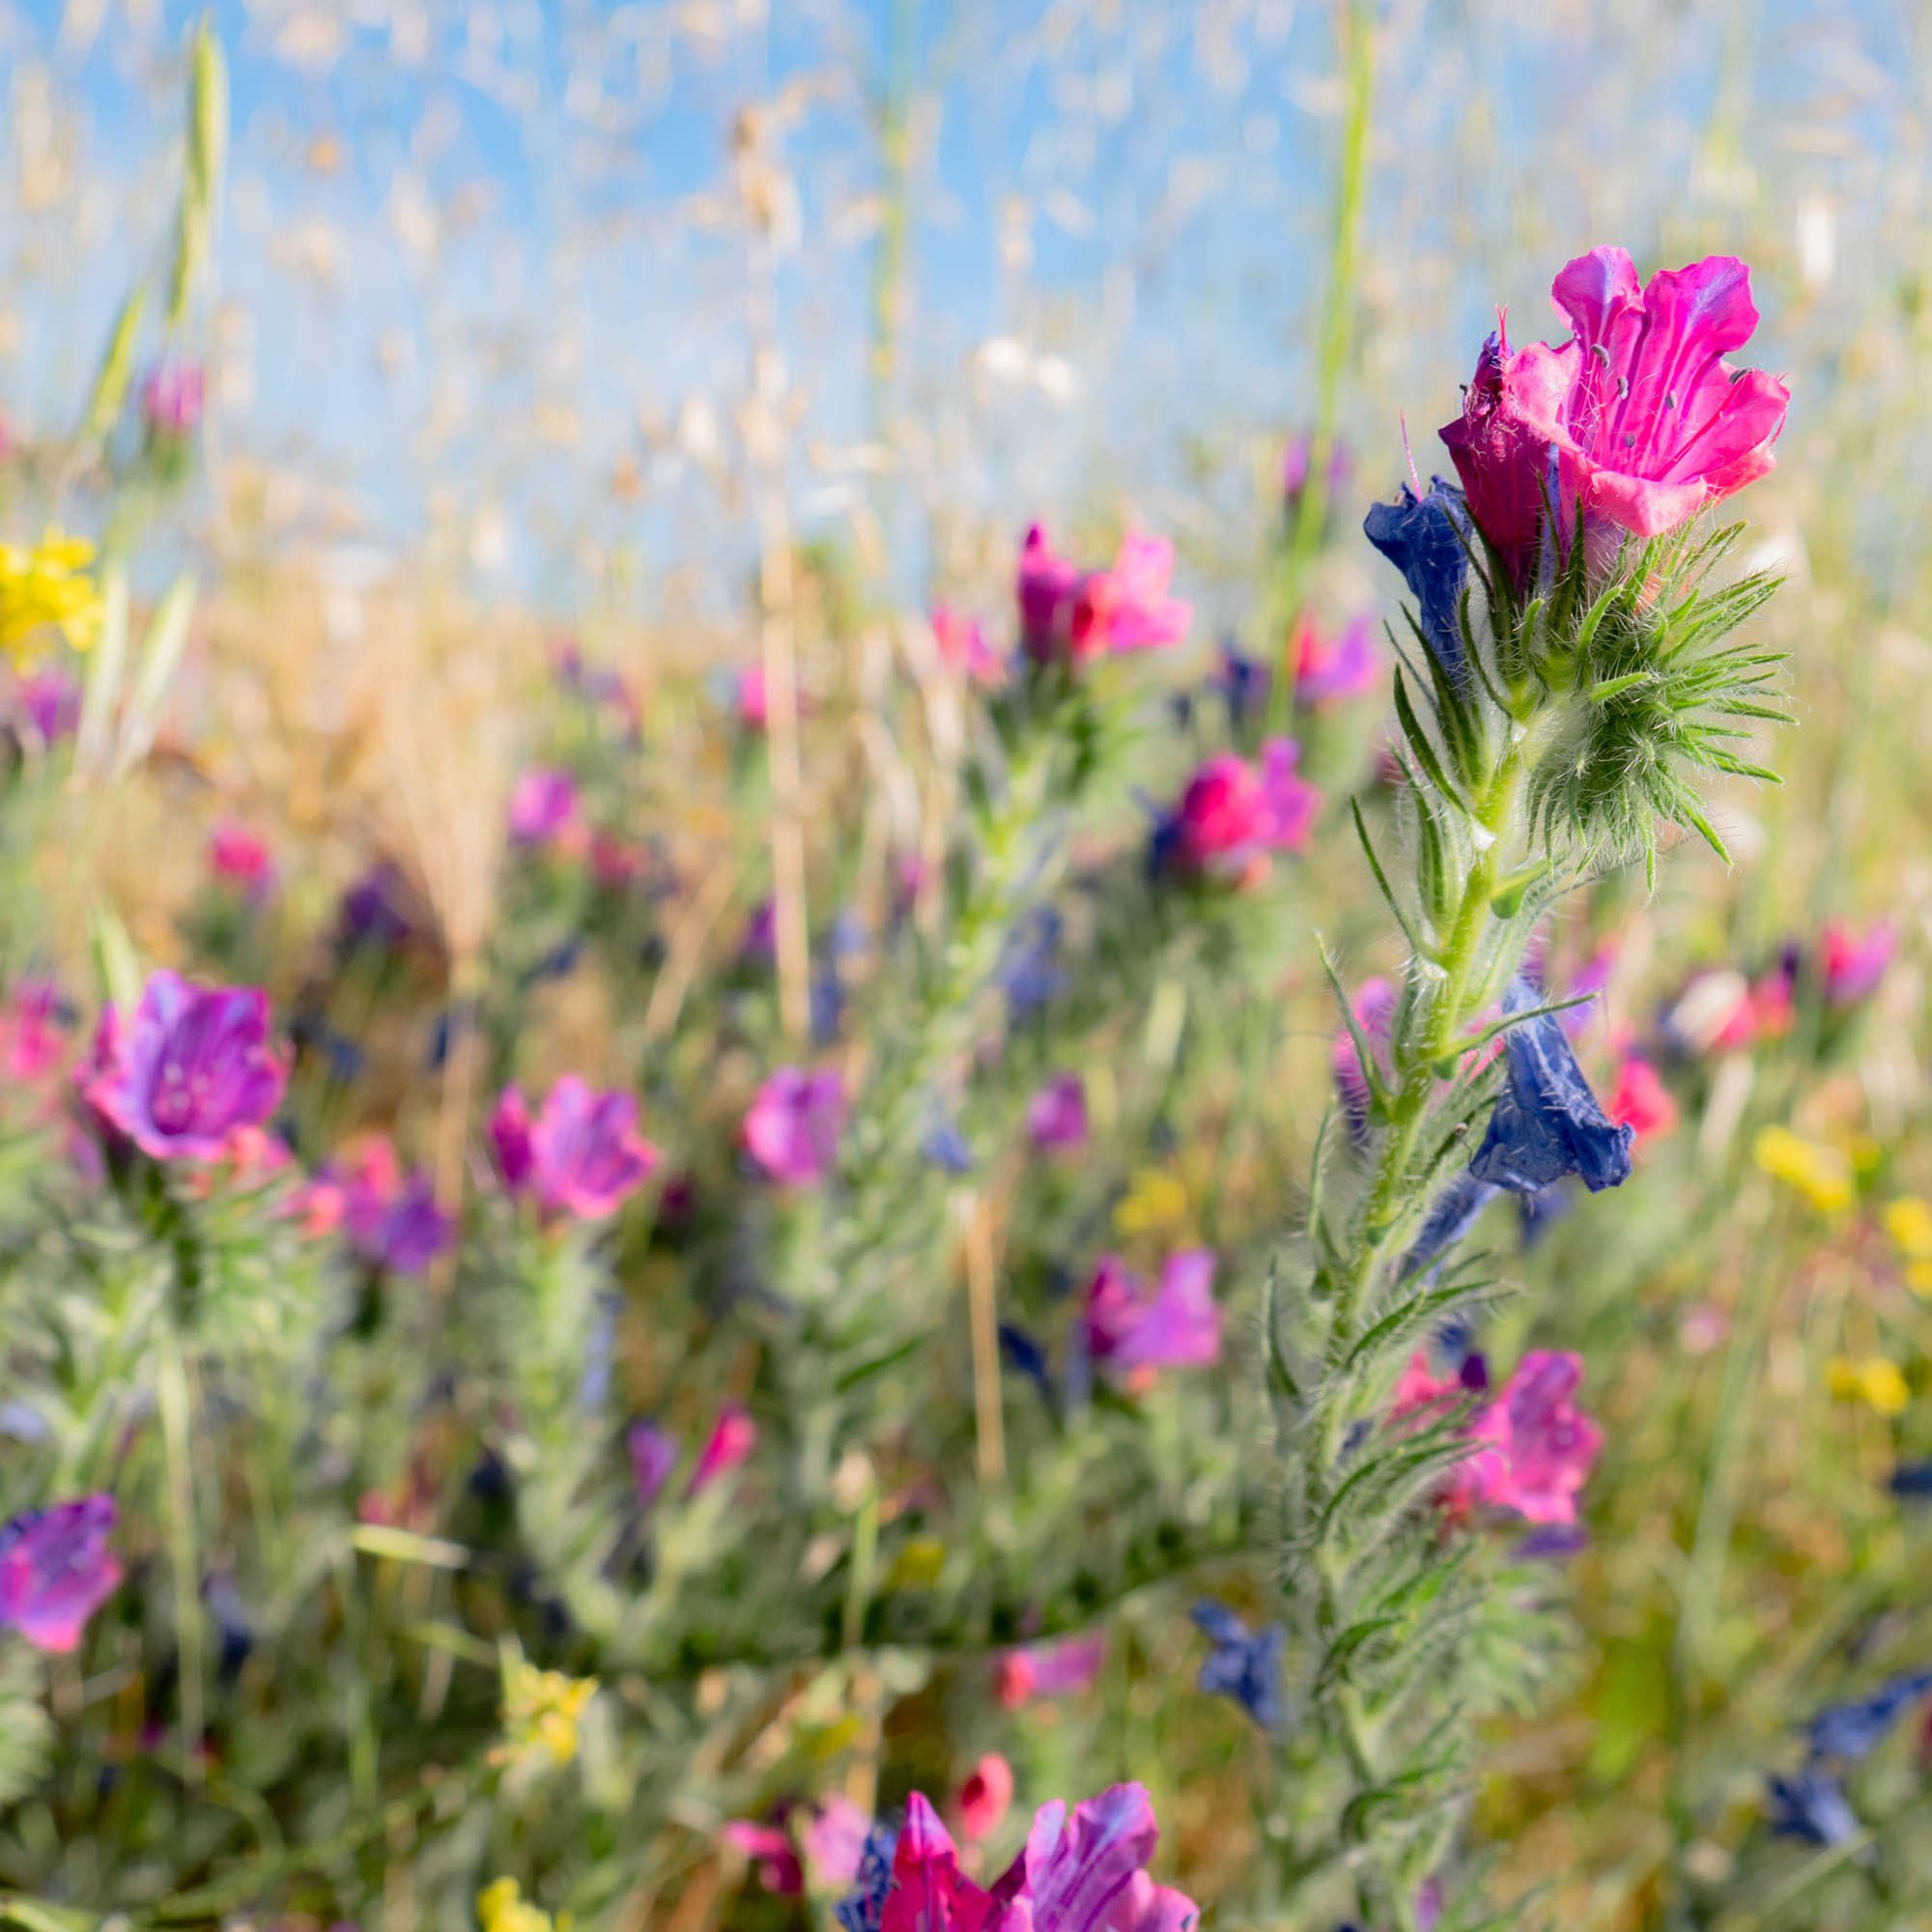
[(56, 1570), (1855, 961), (1648, 423), (190, 1065), (1424, 538), (1056, 1115), (1232, 815), (792, 1129), (1244, 1664), (1177, 1325), (1548, 1122), (1068, 614), (543, 805), (1054, 1669), (1332, 665), (580, 1155)]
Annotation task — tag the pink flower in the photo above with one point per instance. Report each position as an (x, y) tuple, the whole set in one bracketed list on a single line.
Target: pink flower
[(543, 807), (1056, 1115), (1503, 462), (1068, 614), (391, 1218), (792, 1129), (582, 1154), (963, 647), (190, 1065), (50, 699), (56, 1570), (32, 1042), (1331, 666), (754, 706), (653, 1457), (1640, 1101), (614, 862), (1049, 1670), (1086, 1873), (1548, 1445), (1232, 815), (1855, 961), (732, 1440), (1649, 423), (770, 1852), (172, 399), (985, 1797), (242, 858), (1178, 1326), (1423, 1398), (835, 1842)]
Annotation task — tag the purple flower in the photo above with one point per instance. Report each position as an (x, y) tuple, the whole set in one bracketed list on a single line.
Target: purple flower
[(653, 1457), (1328, 669), (543, 807), (947, 1148), (1547, 1122), (1855, 962), (1049, 1670), (50, 700), (582, 1154), (1056, 1115), (1855, 1730), (391, 1218), (172, 400), (1244, 1664), (1649, 423), (1296, 462), (1545, 1444), (190, 1067), (56, 1570), (1812, 1808), (1375, 1006), (375, 912), (1086, 1872), (1504, 464), (864, 1908), (792, 1129), (1451, 1215), (1424, 538), (1178, 1326)]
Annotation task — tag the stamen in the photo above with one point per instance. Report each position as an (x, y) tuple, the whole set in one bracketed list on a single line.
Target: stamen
[(1598, 348), (1630, 438), (1623, 387)]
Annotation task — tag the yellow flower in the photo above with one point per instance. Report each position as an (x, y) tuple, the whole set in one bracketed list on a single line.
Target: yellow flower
[(919, 1565), (540, 1712), (46, 589), (1907, 1220), (1823, 1175), (500, 1907), (1874, 1382), (1154, 1199)]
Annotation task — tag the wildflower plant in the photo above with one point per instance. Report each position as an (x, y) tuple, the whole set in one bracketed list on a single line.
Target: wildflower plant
[(1567, 685)]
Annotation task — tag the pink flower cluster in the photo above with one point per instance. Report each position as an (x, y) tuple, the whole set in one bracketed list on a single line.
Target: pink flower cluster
[(1132, 1330), (1638, 420), (1069, 615), (579, 1154), (1533, 1447), (793, 1127), (1083, 1871), (1233, 817)]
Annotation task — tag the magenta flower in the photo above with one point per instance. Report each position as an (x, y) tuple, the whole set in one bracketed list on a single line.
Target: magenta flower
[(835, 1842), (1855, 961), (56, 1570), (172, 400), (963, 647), (770, 1852), (1648, 422), (190, 1067), (32, 1040), (1375, 1007), (390, 1217), (1068, 614), (581, 1155), (1328, 669), (543, 807), (1177, 1325), (242, 858), (1085, 1872), (1234, 815), (1056, 1115), (792, 1129), (50, 700), (1049, 1670), (1298, 462), (732, 1440), (1547, 1448)]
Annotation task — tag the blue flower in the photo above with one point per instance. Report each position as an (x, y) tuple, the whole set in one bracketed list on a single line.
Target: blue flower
[(1456, 1210), (1025, 1356), (1028, 971), (1423, 537), (1811, 1807), (1912, 1480), (1851, 1730), (864, 1908), (945, 1147), (1244, 1664), (1243, 682), (1548, 1122)]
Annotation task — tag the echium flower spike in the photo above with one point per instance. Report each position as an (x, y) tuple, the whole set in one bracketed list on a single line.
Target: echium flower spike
[(1564, 681)]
